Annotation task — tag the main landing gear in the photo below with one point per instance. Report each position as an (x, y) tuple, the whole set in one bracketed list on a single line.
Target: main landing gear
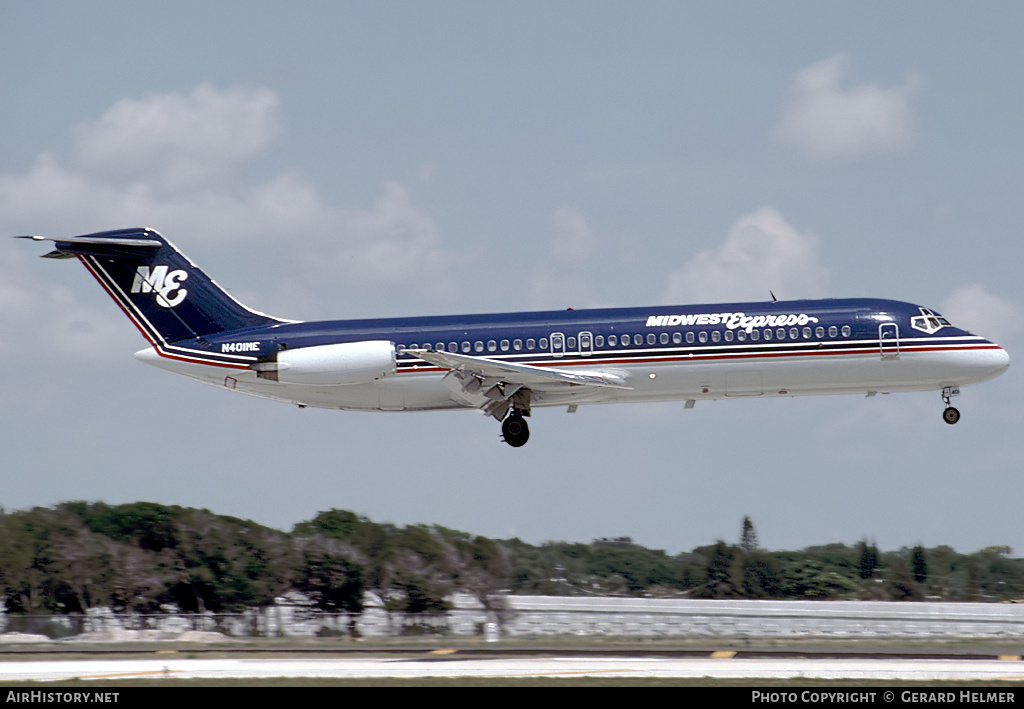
[(514, 428), (951, 414)]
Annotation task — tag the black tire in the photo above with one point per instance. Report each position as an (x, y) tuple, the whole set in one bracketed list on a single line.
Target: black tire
[(515, 430), (951, 415)]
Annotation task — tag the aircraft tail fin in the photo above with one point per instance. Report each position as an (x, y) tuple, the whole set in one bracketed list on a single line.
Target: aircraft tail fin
[(166, 295)]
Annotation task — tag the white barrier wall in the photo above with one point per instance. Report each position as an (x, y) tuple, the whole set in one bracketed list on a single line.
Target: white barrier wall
[(649, 617), (557, 615)]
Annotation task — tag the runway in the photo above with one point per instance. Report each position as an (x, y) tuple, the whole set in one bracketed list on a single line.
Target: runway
[(567, 666)]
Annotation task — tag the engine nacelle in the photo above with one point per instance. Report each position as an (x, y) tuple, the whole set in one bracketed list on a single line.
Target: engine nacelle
[(330, 365)]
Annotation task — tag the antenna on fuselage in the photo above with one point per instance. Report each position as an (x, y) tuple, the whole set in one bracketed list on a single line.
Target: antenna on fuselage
[(774, 299)]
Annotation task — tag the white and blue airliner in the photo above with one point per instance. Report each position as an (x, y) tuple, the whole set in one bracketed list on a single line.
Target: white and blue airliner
[(511, 363)]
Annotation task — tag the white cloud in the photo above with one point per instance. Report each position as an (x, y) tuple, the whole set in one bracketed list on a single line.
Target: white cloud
[(974, 308), (171, 162), (393, 240), (573, 239), (179, 141), (562, 279), (761, 253), (826, 120), (60, 325)]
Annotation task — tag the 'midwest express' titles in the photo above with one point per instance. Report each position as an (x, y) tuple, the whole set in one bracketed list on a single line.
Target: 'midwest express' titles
[(732, 321)]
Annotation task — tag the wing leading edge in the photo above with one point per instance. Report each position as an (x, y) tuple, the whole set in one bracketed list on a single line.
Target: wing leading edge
[(526, 374)]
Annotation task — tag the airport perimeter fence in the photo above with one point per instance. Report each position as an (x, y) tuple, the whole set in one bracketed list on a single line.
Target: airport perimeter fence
[(526, 616)]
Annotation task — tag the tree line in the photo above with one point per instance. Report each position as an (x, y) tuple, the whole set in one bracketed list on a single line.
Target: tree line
[(150, 558)]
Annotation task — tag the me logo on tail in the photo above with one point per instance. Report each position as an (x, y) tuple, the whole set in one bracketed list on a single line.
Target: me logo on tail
[(166, 285)]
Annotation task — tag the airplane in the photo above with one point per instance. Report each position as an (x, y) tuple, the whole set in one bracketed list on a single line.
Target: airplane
[(507, 364)]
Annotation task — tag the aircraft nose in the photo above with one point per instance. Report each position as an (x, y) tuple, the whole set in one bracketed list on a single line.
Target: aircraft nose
[(1003, 360), (990, 363)]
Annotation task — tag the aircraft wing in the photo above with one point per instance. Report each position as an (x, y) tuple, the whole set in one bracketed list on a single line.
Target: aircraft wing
[(525, 374), (495, 386)]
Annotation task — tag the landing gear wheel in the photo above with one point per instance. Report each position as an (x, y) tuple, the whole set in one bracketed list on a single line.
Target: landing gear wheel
[(951, 415), (515, 430)]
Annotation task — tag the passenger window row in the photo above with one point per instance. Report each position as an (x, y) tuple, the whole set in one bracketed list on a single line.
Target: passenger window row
[(600, 341)]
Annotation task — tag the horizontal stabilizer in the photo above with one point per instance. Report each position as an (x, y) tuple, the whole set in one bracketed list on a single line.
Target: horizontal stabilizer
[(164, 294), (71, 246)]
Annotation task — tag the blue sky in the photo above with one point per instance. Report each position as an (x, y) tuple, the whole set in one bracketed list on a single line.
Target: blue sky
[(346, 159)]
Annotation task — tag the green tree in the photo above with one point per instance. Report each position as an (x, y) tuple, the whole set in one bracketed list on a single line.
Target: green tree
[(330, 573), (919, 564), (748, 537), (868, 560), (721, 581), (424, 571), (812, 579), (482, 568), (26, 561), (760, 577), (225, 564), (147, 525)]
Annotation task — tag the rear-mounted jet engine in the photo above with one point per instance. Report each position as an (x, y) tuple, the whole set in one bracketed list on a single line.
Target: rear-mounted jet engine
[(329, 365)]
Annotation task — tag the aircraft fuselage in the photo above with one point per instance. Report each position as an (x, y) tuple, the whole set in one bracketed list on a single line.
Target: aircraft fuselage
[(664, 353), (510, 363)]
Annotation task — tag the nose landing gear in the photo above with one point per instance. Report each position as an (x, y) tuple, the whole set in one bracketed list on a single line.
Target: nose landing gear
[(950, 414)]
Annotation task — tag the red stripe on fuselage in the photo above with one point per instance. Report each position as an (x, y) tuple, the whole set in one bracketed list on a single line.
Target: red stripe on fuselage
[(667, 359)]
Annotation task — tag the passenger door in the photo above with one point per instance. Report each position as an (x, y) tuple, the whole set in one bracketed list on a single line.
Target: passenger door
[(889, 340)]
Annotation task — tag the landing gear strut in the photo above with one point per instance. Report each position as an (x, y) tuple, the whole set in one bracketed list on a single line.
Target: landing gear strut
[(951, 414), (515, 430)]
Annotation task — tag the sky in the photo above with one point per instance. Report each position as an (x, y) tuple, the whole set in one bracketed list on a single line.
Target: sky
[(351, 159)]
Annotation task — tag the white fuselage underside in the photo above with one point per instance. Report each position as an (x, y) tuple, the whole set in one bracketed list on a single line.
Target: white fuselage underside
[(797, 375)]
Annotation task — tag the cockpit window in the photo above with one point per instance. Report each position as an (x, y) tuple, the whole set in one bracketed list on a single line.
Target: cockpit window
[(928, 321)]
